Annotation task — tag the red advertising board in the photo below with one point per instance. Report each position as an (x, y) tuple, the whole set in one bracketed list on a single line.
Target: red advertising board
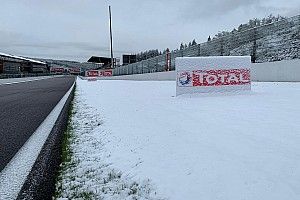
[(92, 73), (74, 70), (106, 72), (214, 77), (97, 73), (57, 69), (213, 74)]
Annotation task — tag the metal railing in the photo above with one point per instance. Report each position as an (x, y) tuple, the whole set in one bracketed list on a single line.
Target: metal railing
[(271, 42)]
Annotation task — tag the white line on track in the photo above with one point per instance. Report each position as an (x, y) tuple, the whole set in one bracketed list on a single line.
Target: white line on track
[(14, 175), (22, 81)]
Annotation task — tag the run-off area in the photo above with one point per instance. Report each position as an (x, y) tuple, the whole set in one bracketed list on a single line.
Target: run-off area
[(238, 146)]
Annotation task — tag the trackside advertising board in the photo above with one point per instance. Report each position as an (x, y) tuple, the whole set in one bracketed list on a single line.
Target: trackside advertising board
[(212, 74), (57, 70), (97, 73)]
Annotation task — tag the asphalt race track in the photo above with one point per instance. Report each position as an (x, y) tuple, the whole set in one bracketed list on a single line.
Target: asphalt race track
[(23, 107)]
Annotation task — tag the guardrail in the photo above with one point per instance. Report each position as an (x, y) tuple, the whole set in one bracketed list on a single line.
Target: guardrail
[(271, 42)]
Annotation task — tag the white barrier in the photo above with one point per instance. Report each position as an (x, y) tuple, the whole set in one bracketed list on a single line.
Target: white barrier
[(286, 71), (158, 76), (212, 74)]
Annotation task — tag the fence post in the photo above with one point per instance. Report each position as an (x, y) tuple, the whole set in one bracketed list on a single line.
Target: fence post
[(221, 46), (156, 66)]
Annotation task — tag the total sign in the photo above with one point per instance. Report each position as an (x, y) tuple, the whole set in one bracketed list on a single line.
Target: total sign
[(92, 73), (212, 74), (95, 73)]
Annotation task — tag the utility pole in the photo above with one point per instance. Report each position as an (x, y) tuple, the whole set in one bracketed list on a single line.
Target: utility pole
[(111, 39)]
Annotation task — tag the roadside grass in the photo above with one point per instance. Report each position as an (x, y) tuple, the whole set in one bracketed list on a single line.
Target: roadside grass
[(83, 173), (67, 154)]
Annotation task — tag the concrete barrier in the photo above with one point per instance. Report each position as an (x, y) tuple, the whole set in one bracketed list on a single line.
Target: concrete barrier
[(285, 71), (158, 76)]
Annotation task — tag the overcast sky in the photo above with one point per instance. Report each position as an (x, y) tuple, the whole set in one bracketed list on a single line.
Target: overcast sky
[(77, 29)]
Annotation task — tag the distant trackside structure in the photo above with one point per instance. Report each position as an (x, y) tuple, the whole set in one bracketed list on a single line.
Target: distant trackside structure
[(10, 64)]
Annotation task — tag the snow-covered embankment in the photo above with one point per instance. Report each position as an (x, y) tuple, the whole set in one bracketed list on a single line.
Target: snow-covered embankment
[(137, 139)]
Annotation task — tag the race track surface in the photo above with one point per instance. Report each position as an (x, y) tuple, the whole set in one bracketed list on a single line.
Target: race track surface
[(23, 107)]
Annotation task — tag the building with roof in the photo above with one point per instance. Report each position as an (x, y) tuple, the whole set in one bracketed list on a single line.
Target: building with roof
[(10, 64), (104, 62), (129, 59)]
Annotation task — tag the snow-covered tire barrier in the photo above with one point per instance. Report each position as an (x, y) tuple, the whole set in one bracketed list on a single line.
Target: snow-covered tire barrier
[(40, 183)]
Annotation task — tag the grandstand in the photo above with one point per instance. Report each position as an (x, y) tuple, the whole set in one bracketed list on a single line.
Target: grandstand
[(11, 64)]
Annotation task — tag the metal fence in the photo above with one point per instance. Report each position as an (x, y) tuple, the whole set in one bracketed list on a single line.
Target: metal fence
[(271, 42)]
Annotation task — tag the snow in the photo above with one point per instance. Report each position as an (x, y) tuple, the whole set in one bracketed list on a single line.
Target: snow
[(212, 62), (230, 146), (279, 44)]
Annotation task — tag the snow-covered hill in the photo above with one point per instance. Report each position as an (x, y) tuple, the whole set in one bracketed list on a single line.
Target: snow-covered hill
[(275, 41), (281, 43)]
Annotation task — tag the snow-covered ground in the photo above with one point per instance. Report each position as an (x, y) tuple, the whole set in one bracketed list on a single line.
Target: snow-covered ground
[(135, 140)]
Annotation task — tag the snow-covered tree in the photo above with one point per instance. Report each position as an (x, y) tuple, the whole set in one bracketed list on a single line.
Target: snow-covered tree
[(194, 42)]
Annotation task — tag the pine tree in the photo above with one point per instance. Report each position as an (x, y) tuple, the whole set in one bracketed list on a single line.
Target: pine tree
[(181, 46), (194, 42)]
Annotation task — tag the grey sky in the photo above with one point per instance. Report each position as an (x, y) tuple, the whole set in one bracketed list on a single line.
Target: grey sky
[(77, 29)]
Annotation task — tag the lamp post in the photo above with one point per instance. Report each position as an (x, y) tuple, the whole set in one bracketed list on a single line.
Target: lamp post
[(111, 39)]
